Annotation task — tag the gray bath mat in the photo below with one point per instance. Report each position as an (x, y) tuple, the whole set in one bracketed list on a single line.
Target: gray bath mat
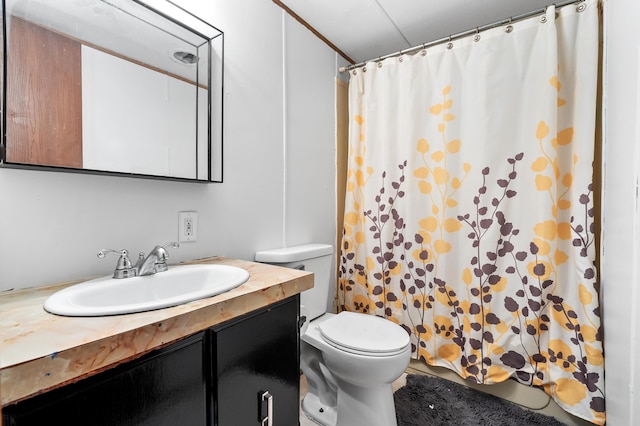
[(430, 401)]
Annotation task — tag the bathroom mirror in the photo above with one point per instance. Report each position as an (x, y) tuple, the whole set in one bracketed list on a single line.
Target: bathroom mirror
[(124, 87)]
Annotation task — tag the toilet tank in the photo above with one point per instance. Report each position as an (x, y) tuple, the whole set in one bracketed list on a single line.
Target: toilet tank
[(314, 258)]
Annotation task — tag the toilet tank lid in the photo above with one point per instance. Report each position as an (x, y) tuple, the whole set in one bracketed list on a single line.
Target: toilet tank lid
[(293, 254)]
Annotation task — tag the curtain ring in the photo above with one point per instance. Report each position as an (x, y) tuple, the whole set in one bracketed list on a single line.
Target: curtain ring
[(450, 44), (581, 7), (423, 52), (364, 69), (355, 72), (476, 38), (543, 18), (509, 28)]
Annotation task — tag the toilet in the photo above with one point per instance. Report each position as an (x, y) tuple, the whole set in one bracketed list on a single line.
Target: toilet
[(349, 359)]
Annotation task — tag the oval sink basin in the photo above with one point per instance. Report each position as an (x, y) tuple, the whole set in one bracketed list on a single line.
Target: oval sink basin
[(178, 285)]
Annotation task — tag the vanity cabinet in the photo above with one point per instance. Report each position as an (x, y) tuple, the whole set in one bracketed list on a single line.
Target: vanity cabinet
[(215, 377)]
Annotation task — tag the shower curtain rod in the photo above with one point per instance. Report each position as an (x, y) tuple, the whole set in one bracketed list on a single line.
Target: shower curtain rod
[(460, 35)]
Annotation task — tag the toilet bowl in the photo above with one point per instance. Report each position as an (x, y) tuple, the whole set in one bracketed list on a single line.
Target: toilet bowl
[(349, 359)]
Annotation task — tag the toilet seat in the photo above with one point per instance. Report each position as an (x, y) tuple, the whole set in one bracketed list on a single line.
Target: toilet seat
[(363, 334)]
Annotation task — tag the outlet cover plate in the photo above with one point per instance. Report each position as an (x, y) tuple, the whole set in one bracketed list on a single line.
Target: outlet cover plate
[(187, 226)]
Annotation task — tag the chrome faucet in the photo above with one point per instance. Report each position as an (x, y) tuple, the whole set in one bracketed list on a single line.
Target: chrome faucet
[(156, 261)]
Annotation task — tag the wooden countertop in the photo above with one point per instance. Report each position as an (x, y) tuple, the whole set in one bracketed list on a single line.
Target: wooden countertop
[(40, 351)]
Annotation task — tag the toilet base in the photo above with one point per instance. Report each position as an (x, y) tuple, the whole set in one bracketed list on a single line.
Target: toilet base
[(355, 404), (371, 406), (318, 412)]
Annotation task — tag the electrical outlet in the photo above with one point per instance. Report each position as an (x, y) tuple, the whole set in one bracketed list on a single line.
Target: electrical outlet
[(187, 226)]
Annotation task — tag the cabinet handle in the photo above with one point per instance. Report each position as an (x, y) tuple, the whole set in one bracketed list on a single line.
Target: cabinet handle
[(268, 419)]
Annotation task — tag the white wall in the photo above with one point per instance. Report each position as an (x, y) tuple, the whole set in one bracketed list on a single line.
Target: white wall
[(279, 165), (621, 241), (307, 156)]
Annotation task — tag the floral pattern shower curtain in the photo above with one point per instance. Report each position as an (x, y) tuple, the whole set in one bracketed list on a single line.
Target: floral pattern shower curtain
[(470, 205)]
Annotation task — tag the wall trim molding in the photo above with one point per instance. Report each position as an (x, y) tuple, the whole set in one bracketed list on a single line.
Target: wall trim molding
[(313, 30)]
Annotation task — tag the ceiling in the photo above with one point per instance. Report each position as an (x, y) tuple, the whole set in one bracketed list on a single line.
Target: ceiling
[(367, 29)]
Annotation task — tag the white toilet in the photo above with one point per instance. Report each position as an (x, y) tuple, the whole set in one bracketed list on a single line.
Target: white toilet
[(349, 359)]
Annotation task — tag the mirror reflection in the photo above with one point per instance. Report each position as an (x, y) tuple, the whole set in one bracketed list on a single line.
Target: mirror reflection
[(113, 86)]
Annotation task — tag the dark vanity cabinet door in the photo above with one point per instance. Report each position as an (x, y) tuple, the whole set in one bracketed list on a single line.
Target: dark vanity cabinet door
[(165, 387), (257, 356)]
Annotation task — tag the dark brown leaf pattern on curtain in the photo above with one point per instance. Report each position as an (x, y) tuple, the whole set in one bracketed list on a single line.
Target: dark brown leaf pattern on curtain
[(497, 260)]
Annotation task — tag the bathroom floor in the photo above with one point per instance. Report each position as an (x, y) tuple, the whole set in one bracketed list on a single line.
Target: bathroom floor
[(305, 421)]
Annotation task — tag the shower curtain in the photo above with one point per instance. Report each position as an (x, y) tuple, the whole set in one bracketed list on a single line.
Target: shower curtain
[(469, 215)]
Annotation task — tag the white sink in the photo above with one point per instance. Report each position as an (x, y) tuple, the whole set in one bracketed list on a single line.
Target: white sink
[(178, 285)]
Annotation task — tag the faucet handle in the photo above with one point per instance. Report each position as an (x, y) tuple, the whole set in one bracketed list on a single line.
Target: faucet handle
[(124, 269), (164, 253), (161, 263), (172, 244)]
